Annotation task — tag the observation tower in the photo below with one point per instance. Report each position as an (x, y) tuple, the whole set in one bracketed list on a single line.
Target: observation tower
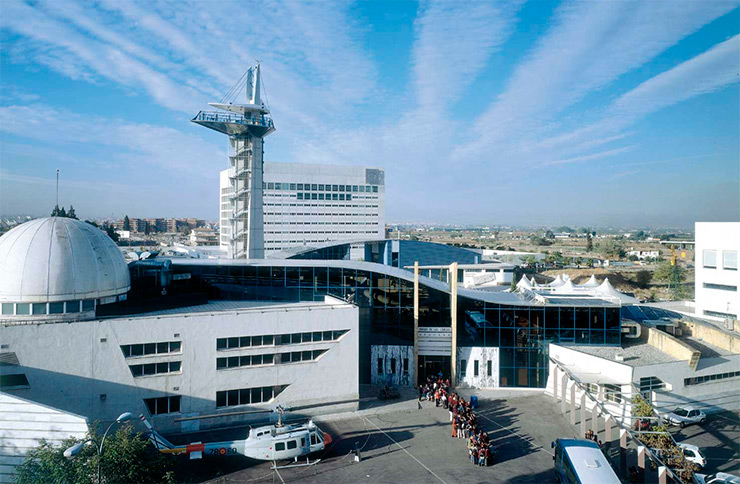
[(246, 126)]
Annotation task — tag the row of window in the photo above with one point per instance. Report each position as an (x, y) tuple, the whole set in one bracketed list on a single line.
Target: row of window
[(322, 214), (729, 259), (146, 349), (476, 368), (163, 405), (277, 339), (392, 371), (698, 380), (321, 196), (322, 187), (267, 359), (247, 396), (721, 287), (149, 369), (718, 314), (27, 309)]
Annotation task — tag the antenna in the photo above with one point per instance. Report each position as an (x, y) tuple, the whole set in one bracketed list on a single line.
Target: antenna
[(57, 187)]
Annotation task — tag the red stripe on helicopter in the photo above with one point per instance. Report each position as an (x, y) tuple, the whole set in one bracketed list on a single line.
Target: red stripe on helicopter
[(195, 448)]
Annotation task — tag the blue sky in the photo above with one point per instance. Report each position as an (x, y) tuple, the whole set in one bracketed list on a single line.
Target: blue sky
[(522, 112)]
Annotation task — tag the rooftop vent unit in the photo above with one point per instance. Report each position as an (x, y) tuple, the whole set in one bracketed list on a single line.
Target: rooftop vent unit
[(619, 357)]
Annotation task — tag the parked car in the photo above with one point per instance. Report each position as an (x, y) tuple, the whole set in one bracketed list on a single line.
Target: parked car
[(718, 478), (693, 454), (684, 416)]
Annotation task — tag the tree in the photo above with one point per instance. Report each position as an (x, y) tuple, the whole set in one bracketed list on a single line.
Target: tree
[(549, 234), (71, 213), (55, 212), (537, 240), (530, 260), (127, 457), (62, 212), (146, 228), (643, 278), (612, 249), (674, 275), (111, 232), (126, 223), (589, 242)]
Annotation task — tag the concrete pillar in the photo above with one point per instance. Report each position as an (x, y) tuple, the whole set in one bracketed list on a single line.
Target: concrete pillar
[(623, 451), (584, 415), (555, 382), (416, 324), (563, 390), (662, 475), (453, 319), (608, 430), (573, 404), (595, 419), (641, 452)]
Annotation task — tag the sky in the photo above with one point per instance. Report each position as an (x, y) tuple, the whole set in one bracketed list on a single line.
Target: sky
[(618, 113)]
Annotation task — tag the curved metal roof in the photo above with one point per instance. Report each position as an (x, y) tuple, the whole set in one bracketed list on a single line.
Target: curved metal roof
[(60, 259)]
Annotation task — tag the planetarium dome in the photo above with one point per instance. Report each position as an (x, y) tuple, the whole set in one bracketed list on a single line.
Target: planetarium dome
[(59, 266)]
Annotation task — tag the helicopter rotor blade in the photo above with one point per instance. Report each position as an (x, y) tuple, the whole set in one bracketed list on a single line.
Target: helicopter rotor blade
[(228, 414)]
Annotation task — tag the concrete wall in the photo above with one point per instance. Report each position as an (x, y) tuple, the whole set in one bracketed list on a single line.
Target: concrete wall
[(719, 236), (80, 367), (482, 355), (388, 353), (23, 424), (671, 345), (723, 339)]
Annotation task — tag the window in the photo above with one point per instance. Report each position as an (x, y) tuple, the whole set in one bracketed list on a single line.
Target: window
[(729, 260), (613, 393), (720, 287), (279, 446), (463, 368), (292, 444), (162, 405), (246, 396), (698, 380), (8, 308), (73, 306), (380, 366), (151, 369), (475, 367), (18, 380), (23, 308), (88, 304), (147, 349), (39, 308), (650, 383), (710, 258), (490, 368), (718, 314), (405, 365)]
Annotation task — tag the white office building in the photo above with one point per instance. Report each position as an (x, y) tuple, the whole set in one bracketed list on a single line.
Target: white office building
[(717, 278), (310, 204)]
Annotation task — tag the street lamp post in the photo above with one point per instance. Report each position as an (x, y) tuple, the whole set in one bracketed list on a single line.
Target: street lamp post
[(75, 449)]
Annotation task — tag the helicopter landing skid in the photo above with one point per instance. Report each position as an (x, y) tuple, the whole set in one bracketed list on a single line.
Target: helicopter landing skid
[(308, 463)]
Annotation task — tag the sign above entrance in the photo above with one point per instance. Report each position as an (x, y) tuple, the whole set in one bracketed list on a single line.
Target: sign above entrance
[(435, 341)]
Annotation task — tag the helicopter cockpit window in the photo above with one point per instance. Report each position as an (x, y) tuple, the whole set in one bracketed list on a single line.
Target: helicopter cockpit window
[(292, 444), (303, 442), (313, 439), (280, 446)]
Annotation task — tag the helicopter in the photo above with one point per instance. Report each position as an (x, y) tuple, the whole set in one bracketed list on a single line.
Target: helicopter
[(278, 441)]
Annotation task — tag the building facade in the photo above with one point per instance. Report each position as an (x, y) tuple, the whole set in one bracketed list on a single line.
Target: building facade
[(311, 204), (717, 278)]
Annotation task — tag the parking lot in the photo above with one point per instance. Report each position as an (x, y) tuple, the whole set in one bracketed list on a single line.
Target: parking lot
[(719, 440), (408, 444)]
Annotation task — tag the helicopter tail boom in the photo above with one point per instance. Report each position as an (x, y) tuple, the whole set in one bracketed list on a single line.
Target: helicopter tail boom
[(160, 443)]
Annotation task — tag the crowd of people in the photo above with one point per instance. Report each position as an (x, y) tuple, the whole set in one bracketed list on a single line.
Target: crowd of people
[(462, 417)]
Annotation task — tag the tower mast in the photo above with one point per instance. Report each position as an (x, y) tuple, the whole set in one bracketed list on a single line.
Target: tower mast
[(246, 125)]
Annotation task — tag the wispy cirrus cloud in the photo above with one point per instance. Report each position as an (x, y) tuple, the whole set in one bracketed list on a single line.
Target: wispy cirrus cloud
[(590, 45)]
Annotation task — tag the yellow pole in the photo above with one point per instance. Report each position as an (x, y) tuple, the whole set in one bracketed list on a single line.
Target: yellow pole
[(416, 324), (453, 320)]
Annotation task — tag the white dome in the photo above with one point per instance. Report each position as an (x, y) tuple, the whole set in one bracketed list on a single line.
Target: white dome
[(60, 259)]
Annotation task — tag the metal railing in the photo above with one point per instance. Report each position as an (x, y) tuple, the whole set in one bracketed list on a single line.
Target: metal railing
[(216, 117)]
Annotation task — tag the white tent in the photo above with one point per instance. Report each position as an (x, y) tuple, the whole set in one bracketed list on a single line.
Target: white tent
[(557, 282), (607, 290), (524, 283), (590, 283), (566, 288)]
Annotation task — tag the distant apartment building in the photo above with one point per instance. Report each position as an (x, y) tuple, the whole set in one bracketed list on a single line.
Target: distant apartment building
[(309, 204), (643, 254), (204, 236), (149, 225), (717, 278)]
